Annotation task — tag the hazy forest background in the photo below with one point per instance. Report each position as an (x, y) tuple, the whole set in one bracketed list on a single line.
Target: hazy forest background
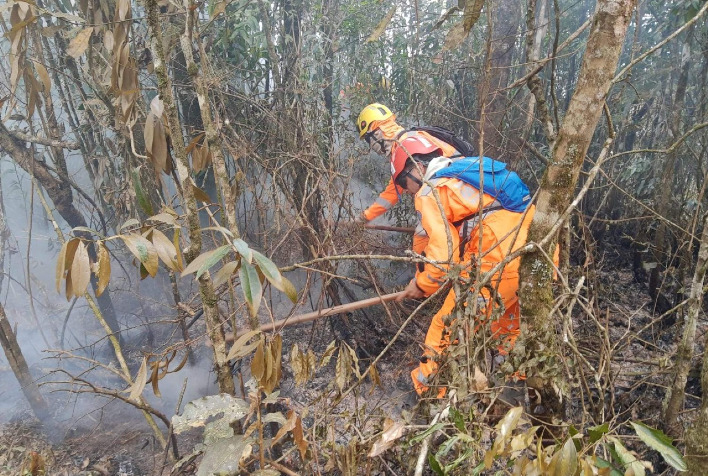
[(173, 173)]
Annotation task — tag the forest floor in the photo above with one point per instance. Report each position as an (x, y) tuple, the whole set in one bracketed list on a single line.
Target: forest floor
[(113, 439)]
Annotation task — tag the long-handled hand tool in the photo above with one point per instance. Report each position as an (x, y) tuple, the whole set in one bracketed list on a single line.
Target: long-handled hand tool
[(402, 229), (311, 316)]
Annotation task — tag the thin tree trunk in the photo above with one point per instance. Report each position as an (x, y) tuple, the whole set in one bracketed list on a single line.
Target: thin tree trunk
[(604, 46), (206, 288), (696, 437), (8, 341), (663, 202), (504, 29), (682, 364)]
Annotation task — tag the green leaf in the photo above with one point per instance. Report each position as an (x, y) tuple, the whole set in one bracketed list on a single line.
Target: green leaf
[(458, 419), (596, 432), (251, 285), (656, 439), (435, 466), (140, 195), (627, 459), (272, 274), (243, 249), (429, 431), (206, 260)]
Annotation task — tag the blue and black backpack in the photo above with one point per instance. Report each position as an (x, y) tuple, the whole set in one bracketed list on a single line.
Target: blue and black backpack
[(502, 184)]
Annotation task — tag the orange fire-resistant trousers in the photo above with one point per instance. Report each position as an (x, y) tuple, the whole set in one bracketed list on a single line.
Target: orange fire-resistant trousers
[(438, 339)]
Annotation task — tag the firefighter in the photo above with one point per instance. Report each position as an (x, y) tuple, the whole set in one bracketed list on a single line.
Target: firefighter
[(502, 231), (378, 127)]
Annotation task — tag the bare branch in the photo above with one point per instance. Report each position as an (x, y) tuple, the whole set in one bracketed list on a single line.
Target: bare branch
[(44, 141)]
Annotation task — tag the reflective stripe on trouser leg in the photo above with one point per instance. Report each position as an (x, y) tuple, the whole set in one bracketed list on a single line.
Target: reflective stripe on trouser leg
[(436, 341)]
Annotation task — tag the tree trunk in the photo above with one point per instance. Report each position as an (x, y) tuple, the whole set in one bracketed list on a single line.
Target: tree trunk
[(663, 202), (604, 46), (17, 361), (8, 341), (504, 29), (696, 437), (206, 288), (682, 364)]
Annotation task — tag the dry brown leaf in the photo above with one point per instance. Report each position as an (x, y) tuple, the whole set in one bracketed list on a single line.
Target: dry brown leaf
[(44, 77), (139, 384), (343, 368), (165, 250), (194, 142), (240, 349), (104, 268), (288, 426), (79, 43), (258, 362), (200, 194), (393, 430), (157, 107), (81, 270), (69, 291), (149, 133), (143, 250), (60, 265), (299, 437), (480, 383), (108, 40)]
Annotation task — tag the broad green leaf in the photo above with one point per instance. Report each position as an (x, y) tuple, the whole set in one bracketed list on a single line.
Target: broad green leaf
[(656, 439), (627, 458), (602, 463), (244, 250), (435, 466), (206, 260), (140, 195), (143, 250), (421, 436), (272, 274), (596, 432), (251, 287)]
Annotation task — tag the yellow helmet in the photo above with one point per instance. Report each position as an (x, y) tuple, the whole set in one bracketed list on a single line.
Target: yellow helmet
[(370, 114)]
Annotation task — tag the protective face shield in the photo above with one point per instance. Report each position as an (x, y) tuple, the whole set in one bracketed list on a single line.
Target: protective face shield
[(377, 143)]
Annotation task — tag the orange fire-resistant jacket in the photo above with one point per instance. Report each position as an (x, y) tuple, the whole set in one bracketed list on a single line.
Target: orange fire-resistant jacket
[(461, 202), (389, 197)]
